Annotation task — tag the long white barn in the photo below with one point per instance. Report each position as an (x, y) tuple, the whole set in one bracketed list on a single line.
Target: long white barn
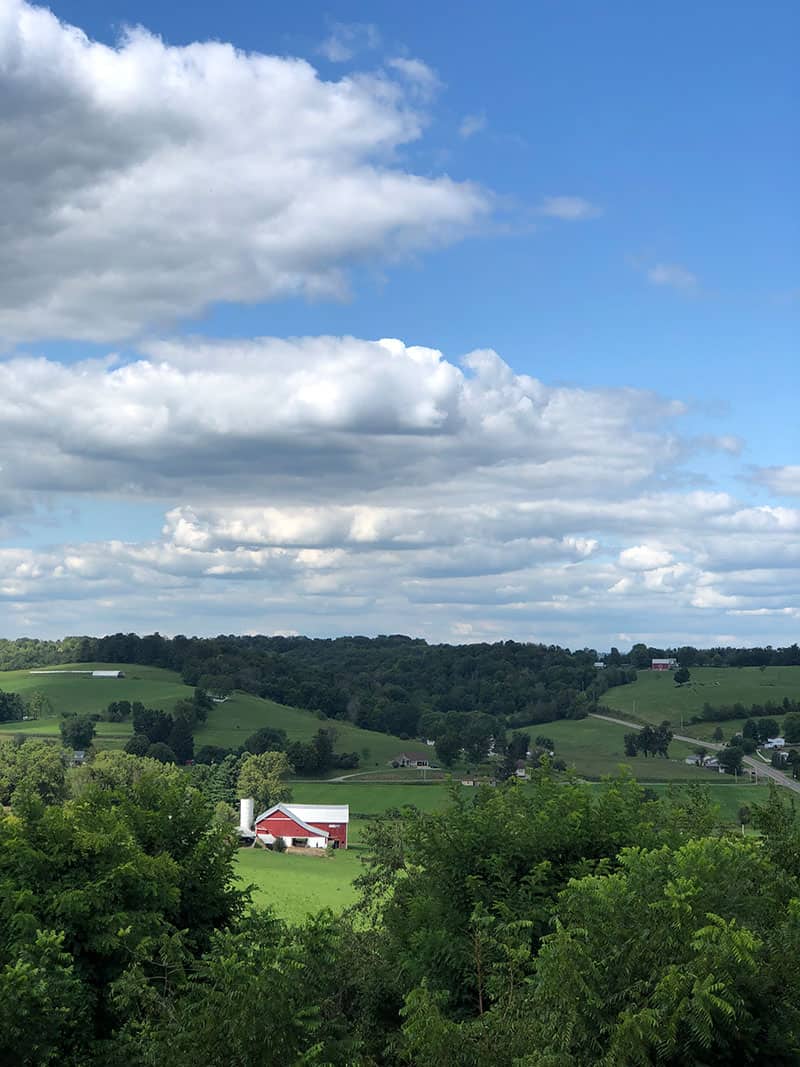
[(90, 674)]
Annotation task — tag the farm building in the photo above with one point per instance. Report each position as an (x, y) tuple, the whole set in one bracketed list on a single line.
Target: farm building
[(663, 664), (774, 742), (300, 825), (91, 674), (411, 759)]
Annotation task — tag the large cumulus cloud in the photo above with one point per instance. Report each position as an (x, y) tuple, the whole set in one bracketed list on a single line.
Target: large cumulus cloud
[(142, 182), (334, 484)]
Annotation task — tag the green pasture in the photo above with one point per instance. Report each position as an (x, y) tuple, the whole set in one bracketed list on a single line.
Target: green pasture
[(371, 798), (595, 748), (298, 885), (229, 723), (654, 696), (155, 687)]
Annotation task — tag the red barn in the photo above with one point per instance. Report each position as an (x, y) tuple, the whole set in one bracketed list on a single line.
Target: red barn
[(305, 825)]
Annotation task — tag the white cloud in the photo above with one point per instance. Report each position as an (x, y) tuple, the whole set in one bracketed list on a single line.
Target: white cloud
[(347, 39), (139, 184), (317, 415), (472, 124), (673, 276), (330, 485), (424, 80), (568, 208), (782, 480), (644, 558)]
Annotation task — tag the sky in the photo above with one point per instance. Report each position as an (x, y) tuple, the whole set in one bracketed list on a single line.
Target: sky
[(468, 323)]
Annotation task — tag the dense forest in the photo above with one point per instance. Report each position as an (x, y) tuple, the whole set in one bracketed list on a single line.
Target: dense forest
[(395, 684), (550, 926), (383, 683)]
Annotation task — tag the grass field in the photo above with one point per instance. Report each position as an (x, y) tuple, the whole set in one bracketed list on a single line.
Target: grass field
[(296, 885), (596, 748), (371, 798), (229, 724), (654, 696)]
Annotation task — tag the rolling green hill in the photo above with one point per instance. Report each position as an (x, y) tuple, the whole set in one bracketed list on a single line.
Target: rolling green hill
[(229, 724), (596, 748), (654, 696)]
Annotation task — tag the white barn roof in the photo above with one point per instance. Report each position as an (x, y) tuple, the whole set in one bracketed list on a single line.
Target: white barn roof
[(320, 812), (307, 813)]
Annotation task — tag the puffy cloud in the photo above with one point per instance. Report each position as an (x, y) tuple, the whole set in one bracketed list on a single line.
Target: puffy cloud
[(317, 417), (141, 183), (644, 558), (332, 485)]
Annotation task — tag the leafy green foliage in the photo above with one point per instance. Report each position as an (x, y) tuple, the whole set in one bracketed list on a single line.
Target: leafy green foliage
[(12, 707), (77, 731), (34, 768), (262, 777), (677, 957)]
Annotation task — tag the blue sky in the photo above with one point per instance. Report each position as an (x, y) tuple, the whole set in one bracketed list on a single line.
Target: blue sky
[(609, 205)]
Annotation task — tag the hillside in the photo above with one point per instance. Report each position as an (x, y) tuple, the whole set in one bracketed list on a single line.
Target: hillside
[(654, 696), (228, 725)]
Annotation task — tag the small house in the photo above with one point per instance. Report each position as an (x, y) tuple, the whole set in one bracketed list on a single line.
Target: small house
[(412, 759), (774, 742)]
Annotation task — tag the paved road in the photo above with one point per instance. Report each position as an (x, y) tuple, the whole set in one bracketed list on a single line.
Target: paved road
[(762, 769)]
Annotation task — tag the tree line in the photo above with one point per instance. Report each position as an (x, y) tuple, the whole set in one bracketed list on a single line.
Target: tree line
[(725, 712), (384, 683)]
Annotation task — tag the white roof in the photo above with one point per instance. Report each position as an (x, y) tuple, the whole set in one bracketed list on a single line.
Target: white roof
[(320, 812)]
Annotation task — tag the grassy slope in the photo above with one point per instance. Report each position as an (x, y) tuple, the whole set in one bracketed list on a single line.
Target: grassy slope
[(229, 724), (596, 748), (656, 697)]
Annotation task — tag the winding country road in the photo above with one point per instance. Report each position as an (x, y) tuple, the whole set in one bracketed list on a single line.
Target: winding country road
[(761, 769)]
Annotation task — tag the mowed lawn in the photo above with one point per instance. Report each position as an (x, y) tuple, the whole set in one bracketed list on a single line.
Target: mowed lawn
[(654, 696), (596, 748)]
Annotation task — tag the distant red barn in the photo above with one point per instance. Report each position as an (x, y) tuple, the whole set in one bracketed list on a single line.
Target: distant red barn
[(663, 664), (305, 825)]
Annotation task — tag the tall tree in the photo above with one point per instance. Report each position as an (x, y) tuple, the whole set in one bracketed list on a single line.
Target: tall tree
[(263, 776), (77, 731)]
